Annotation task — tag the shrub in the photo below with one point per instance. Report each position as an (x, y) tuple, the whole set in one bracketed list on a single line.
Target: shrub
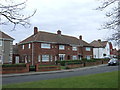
[(14, 65), (64, 62)]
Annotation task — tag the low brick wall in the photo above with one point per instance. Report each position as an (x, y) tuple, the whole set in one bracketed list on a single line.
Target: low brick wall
[(92, 63), (46, 68), (74, 65), (8, 70), (105, 61)]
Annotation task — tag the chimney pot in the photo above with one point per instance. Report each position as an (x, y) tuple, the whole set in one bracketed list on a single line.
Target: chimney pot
[(99, 40), (35, 30), (80, 37), (59, 32)]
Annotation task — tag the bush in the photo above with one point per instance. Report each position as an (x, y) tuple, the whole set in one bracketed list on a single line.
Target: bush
[(14, 65), (64, 62)]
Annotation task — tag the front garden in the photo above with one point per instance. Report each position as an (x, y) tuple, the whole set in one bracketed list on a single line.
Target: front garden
[(64, 64)]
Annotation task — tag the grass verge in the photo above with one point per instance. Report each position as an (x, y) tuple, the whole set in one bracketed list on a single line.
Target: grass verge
[(103, 80)]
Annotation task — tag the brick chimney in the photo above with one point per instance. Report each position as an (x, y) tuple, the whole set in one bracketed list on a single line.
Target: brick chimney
[(35, 30), (99, 40), (59, 32), (80, 37)]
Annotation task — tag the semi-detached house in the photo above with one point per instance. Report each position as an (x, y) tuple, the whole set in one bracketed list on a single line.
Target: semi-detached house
[(44, 47), (6, 49)]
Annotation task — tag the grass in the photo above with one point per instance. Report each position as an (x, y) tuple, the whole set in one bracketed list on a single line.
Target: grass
[(103, 80)]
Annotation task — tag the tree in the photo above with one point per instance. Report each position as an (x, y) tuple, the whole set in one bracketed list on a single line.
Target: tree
[(11, 12), (114, 18)]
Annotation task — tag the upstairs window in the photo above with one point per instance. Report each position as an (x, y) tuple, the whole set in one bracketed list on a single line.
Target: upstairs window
[(88, 49), (23, 46), (74, 48), (0, 42), (61, 47), (45, 45)]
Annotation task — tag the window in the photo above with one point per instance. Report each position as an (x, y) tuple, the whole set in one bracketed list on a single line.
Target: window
[(23, 46), (45, 58), (29, 46), (61, 47), (0, 58), (88, 49), (61, 56), (88, 57), (74, 57), (39, 58), (74, 48), (44, 45), (0, 42)]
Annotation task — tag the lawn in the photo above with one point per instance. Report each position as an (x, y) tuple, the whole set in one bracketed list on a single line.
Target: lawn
[(103, 80)]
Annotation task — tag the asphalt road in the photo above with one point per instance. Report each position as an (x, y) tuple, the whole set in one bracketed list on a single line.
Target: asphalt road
[(80, 72)]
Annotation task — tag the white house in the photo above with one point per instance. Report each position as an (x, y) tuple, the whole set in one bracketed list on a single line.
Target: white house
[(101, 49)]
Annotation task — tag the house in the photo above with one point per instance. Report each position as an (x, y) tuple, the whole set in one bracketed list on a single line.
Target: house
[(44, 47), (15, 55), (6, 48), (101, 49)]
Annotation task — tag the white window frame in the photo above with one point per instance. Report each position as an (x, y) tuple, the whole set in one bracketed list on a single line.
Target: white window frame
[(1, 42), (88, 49), (1, 58), (29, 45), (88, 57), (23, 46), (61, 57), (61, 47), (74, 48), (74, 57), (45, 58), (39, 58), (45, 45)]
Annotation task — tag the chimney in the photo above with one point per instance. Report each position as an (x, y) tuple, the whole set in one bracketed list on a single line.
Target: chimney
[(99, 40), (59, 32), (80, 37), (35, 30)]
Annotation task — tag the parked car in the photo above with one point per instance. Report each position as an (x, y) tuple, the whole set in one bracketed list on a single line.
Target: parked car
[(113, 61)]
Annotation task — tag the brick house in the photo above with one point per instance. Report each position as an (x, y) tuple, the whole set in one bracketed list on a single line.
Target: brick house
[(6, 48), (44, 47)]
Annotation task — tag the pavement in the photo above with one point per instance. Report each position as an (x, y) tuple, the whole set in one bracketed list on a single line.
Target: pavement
[(50, 72)]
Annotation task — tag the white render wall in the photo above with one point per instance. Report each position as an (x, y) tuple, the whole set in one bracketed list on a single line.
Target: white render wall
[(99, 52)]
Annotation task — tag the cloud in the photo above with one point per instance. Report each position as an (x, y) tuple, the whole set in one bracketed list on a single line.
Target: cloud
[(73, 17)]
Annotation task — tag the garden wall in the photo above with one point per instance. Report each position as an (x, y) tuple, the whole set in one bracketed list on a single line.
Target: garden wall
[(8, 70), (46, 68), (74, 65)]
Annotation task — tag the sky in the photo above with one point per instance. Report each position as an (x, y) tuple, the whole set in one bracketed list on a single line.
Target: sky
[(72, 17)]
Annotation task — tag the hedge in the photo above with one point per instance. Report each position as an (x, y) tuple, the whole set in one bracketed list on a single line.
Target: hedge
[(68, 62), (14, 65)]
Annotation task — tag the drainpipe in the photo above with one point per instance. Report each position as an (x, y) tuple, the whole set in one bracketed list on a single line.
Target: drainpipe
[(32, 52)]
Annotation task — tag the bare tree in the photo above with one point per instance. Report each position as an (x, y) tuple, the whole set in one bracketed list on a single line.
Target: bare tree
[(114, 18), (11, 12)]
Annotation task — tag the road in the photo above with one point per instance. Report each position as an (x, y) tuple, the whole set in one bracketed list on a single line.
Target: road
[(78, 72)]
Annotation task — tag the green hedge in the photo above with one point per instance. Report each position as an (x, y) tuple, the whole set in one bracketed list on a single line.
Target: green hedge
[(64, 62), (14, 65), (68, 62)]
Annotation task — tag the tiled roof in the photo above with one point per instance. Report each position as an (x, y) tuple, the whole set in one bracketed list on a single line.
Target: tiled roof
[(5, 36), (55, 38), (98, 43)]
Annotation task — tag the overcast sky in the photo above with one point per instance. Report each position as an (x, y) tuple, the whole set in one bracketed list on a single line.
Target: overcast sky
[(72, 17)]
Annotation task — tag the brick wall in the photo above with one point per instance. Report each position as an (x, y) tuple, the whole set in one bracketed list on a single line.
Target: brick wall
[(54, 51)]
